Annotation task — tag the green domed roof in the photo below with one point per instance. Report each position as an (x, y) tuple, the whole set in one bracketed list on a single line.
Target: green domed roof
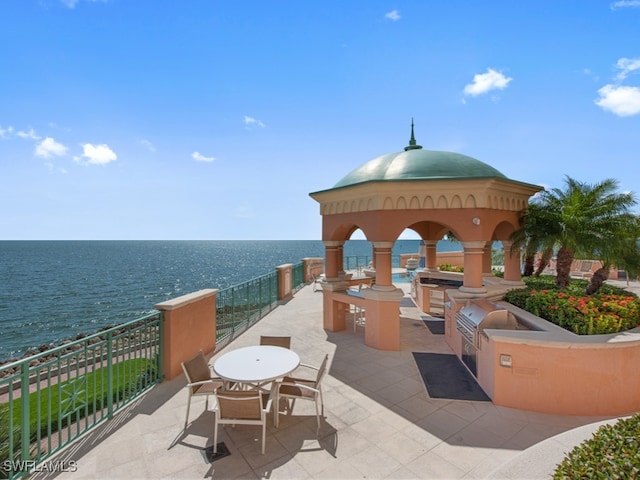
[(419, 164)]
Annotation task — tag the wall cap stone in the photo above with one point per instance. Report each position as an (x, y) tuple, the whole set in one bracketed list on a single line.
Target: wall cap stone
[(179, 302)]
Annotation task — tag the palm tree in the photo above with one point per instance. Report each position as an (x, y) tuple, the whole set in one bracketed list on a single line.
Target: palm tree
[(622, 250), (532, 239), (580, 220)]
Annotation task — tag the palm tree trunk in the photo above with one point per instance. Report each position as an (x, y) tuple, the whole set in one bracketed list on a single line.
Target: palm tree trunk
[(528, 265), (563, 267), (598, 279), (544, 260)]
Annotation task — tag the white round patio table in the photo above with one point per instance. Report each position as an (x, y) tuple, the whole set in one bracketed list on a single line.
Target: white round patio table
[(256, 364)]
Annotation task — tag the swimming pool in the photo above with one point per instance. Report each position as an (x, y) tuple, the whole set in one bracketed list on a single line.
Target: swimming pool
[(402, 277)]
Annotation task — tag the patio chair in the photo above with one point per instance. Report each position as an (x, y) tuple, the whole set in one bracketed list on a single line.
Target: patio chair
[(304, 389), (317, 281), (284, 342), (200, 381), (358, 318), (238, 407)]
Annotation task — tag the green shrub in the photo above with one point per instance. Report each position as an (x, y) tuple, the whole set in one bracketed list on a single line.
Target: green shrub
[(611, 310), (448, 267), (613, 452)]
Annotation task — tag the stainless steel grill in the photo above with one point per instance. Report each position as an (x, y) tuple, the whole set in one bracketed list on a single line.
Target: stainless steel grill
[(477, 315), (471, 321)]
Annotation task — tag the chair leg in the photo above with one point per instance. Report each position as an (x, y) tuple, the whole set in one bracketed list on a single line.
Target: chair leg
[(264, 433), (215, 436), (186, 418), (317, 417)]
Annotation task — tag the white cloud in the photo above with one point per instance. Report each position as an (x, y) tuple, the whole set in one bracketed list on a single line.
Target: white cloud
[(485, 82), (30, 135), (253, 121), (5, 132), (627, 66), (150, 146), (198, 157), (393, 15), (625, 3), (96, 155), (48, 148), (619, 100)]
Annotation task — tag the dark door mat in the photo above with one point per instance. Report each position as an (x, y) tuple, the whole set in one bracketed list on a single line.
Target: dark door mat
[(445, 376), (436, 327), (222, 452), (407, 302)]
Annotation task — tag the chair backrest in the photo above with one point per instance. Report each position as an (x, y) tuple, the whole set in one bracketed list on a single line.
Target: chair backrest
[(197, 369), (322, 369), (239, 405), (284, 342)]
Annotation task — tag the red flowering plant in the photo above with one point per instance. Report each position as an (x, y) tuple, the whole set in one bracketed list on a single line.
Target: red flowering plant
[(607, 312)]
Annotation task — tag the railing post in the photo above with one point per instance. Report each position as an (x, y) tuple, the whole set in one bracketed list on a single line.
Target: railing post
[(24, 400), (161, 346), (109, 375)]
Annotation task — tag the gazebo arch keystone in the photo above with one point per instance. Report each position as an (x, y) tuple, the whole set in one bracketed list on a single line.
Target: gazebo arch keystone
[(430, 192)]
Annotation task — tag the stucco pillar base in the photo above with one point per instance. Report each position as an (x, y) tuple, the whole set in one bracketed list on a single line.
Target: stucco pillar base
[(383, 293), (334, 284), (473, 290), (514, 283)]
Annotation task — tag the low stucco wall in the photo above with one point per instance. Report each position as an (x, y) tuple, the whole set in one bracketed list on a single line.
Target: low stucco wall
[(566, 378), (551, 370), (189, 326)]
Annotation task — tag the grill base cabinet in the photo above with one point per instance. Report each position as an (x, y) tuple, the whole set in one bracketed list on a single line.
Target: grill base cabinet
[(469, 356), (471, 319)]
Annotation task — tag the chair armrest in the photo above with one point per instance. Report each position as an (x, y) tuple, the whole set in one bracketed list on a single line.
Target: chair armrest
[(299, 385), (309, 366), (204, 382)]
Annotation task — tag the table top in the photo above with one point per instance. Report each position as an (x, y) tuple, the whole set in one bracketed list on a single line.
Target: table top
[(259, 363)]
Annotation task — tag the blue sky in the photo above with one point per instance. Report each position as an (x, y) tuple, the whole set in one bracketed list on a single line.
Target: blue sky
[(124, 119)]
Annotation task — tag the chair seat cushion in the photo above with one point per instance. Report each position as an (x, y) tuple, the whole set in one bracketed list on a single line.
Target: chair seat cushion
[(207, 388)]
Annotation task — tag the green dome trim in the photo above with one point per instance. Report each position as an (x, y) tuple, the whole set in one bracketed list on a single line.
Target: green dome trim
[(419, 164)]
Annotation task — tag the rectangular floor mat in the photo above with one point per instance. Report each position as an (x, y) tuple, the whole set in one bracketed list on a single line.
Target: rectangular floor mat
[(445, 376)]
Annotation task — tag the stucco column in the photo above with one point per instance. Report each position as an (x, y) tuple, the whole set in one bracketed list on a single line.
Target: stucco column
[(341, 272), (382, 255), (473, 253), (512, 274), (431, 258), (487, 260), (333, 256)]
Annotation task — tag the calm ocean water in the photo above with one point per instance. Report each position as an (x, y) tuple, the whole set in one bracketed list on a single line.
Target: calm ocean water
[(53, 290)]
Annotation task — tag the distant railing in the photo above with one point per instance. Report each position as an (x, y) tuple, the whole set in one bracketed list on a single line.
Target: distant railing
[(240, 306), (50, 399), (298, 276), (358, 262)]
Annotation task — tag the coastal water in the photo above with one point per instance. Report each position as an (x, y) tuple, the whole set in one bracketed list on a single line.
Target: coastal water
[(53, 290)]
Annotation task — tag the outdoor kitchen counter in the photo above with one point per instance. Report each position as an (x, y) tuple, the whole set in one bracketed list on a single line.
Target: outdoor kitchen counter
[(551, 370)]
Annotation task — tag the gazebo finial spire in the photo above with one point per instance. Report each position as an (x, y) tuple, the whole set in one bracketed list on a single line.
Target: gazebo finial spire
[(412, 141)]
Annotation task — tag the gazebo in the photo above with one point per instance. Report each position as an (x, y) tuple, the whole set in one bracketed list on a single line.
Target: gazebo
[(432, 193)]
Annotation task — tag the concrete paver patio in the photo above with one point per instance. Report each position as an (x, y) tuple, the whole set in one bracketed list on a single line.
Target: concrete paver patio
[(379, 421)]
